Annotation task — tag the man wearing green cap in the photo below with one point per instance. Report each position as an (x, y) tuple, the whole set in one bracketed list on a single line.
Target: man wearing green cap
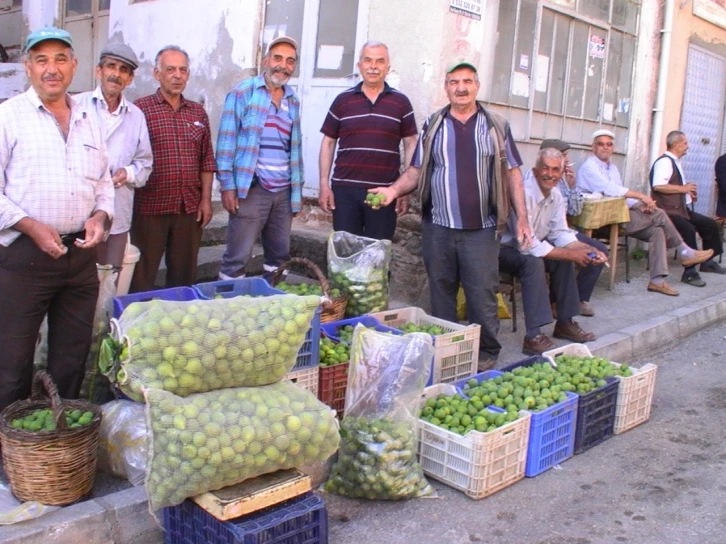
[(56, 205), (468, 166)]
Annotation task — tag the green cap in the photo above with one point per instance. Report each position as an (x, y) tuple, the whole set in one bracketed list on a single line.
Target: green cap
[(47, 33), (460, 64)]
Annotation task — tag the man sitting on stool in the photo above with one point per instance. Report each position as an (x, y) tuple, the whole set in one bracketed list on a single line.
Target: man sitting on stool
[(587, 275), (555, 249), (675, 197)]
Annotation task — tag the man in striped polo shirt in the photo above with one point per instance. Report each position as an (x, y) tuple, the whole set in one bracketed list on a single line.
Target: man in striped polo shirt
[(259, 162), (368, 122)]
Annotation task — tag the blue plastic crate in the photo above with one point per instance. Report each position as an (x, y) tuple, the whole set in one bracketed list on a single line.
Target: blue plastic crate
[(481, 377), (234, 288), (551, 436), (303, 520), (177, 294), (529, 361), (331, 329)]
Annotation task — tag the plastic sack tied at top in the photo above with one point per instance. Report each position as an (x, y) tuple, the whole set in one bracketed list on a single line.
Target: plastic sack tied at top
[(386, 378)]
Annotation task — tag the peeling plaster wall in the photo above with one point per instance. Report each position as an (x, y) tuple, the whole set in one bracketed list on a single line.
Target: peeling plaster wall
[(423, 38), (643, 94), (687, 29), (220, 37)]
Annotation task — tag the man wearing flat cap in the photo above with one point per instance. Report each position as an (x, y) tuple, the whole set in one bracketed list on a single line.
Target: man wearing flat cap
[(647, 222), (127, 141), (466, 166), (259, 162), (587, 275), (56, 205)]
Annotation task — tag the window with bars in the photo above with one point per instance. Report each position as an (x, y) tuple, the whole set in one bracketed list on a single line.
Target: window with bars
[(567, 57)]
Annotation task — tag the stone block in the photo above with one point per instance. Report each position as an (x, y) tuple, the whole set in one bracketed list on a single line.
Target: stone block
[(653, 334), (615, 346), (128, 517)]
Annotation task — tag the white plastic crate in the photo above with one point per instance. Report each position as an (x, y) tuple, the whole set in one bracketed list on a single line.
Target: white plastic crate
[(635, 393), (479, 464), (307, 378), (456, 354)]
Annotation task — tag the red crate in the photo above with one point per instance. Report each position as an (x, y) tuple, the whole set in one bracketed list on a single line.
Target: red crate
[(333, 385)]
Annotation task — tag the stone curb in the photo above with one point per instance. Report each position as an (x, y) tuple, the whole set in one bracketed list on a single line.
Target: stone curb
[(123, 517)]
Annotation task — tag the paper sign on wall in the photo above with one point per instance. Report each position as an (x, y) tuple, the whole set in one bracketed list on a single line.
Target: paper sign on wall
[(524, 62), (596, 47), (542, 73), (520, 84), (330, 57), (607, 111), (468, 8)]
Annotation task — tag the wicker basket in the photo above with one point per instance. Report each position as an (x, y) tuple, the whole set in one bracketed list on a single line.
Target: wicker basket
[(52, 467), (334, 307)]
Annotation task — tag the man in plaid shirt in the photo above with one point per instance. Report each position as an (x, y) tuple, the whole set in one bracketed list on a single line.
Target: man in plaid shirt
[(56, 205), (176, 203), (259, 162)]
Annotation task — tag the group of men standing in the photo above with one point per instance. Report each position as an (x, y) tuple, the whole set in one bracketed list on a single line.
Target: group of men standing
[(84, 175)]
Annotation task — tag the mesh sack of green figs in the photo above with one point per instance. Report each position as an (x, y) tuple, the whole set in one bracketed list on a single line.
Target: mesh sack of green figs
[(205, 345), (386, 377), (358, 267), (208, 441)]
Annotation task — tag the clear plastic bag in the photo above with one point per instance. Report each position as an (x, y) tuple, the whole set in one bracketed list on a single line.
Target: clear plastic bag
[(206, 345), (358, 267), (14, 511), (386, 378), (212, 440), (96, 387), (123, 448)]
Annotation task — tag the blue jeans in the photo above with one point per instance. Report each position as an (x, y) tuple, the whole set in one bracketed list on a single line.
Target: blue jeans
[(352, 214), (469, 257), (262, 214)]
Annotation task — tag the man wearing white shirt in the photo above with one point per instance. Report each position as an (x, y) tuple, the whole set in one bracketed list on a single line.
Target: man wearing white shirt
[(675, 197), (647, 223), (56, 205), (555, 249), (127, 141)]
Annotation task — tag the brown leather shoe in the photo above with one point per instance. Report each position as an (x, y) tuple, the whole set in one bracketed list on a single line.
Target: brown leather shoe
[(701, 257), (572, 331), (537, 345), (586, 310), (663, 289)]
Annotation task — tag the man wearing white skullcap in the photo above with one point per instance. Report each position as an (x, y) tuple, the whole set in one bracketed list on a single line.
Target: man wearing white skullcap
[(647, 223)]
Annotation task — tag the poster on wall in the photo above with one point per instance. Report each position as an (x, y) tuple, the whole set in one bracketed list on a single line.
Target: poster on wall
[(468, 8), (596, 47), (713, 11)]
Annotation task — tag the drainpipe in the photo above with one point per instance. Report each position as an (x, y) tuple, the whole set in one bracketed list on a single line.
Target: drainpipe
[(665, 57)]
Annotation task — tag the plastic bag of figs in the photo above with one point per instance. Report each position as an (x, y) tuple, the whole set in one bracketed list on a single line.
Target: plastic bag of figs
[(386, 378)]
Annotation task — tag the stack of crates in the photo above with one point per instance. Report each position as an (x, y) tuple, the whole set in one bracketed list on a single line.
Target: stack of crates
[(456, 351), (279, 512), (333, 381)]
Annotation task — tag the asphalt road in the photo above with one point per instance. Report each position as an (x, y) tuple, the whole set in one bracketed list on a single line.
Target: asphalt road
[(660, 483)]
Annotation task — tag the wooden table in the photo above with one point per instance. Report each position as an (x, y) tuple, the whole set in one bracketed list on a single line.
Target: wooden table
[(601, 212)]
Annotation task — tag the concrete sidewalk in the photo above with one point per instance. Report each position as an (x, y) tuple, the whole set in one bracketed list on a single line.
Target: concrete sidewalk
[(630, 323)]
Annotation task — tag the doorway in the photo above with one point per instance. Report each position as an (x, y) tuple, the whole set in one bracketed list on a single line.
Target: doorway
[(330, 34), (87, 22)]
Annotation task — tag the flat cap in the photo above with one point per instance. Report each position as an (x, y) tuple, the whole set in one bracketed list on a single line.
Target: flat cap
[(45, 34), (282, 39), (602, 132), (122, 52), (559, 145)]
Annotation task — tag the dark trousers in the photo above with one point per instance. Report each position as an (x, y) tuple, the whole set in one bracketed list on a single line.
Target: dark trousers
[(706, 228), (535, 298), (33, 284), (352, 214), (469, 257), (177, 236), (263, 214), (588, 275)]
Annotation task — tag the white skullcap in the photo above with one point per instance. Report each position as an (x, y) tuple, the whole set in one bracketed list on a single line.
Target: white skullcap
[(602, 132)]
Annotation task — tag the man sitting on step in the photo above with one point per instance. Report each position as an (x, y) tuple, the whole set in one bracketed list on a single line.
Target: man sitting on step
[(555, 249)]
